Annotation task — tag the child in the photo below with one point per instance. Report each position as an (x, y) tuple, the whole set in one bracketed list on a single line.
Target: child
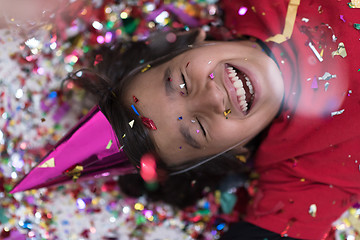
[(187, 100)]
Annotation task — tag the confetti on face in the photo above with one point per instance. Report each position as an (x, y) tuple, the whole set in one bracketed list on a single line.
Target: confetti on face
[(133, 107), (193, 121), (209, 62), (197, 131), (148, 123), (135, 99), (211, 76), (313, 210), (242, 11), (182, 85), (180, 118), (227, 112)]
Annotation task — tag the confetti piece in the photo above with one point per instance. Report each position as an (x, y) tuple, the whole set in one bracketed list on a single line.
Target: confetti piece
[(241, 158), (289, 23), (148, 168), (327, 76), (341, 51), (197, 131), (357, 26), (180, 118), (131, 123), (133, 107), (74, 172), (98, 59), (135, 99), (326, 85), (305, 20), (148, 123), (146, 68), (211, 76), (48, 164), (313, 210), (109, 144), (227, 112), (354, 4), (337, 112), (314, 84), (193, 121), (313, 49), (182, 85), (342, 18), (242, 11)]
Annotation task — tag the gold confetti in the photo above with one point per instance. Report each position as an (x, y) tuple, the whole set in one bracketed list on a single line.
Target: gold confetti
[(313, 210), (355, 4), (227, 112), (48, 164), (75, 172), (341, 51), (241, 158), (289, 23), (146, 68)]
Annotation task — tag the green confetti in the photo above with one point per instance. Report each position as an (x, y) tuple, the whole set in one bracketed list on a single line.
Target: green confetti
[(3, 218), (357, 26), (109, 145)]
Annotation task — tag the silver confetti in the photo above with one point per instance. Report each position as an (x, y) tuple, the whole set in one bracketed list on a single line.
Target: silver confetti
[(337, 112)]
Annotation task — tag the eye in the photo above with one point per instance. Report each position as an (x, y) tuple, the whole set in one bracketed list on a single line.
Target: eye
[(183, 85), (201, 126)]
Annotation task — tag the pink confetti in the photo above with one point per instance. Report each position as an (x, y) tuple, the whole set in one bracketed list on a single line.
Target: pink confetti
[(242, 11)]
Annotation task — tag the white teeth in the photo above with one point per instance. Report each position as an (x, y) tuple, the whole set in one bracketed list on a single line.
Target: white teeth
[(238, 84), (232, 74), (240, 91)]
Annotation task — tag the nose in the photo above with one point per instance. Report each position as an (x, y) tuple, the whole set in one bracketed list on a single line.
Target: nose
[(209, 99)]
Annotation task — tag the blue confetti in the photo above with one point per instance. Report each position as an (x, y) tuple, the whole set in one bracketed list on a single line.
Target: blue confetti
[(133, 107)]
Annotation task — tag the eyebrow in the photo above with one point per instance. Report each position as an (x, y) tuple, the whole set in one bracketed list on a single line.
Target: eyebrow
[(185, 132)]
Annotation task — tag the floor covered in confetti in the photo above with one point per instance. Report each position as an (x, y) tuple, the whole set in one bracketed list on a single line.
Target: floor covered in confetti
[(34, 114)]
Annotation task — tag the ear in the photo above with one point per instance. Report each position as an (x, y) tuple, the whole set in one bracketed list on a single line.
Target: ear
[(201, 36)]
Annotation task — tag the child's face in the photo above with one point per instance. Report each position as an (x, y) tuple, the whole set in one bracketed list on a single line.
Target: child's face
[(190, 117)]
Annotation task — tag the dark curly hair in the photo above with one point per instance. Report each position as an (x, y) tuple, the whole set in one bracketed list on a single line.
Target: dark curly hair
[(116, 66)]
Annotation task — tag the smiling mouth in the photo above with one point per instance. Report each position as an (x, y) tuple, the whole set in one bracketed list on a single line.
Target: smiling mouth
[(243, 87)]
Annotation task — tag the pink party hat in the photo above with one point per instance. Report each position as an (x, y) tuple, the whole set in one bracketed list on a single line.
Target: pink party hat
[(89, 150)]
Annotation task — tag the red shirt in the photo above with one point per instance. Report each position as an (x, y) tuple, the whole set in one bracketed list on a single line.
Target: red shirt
[(309, 161)]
